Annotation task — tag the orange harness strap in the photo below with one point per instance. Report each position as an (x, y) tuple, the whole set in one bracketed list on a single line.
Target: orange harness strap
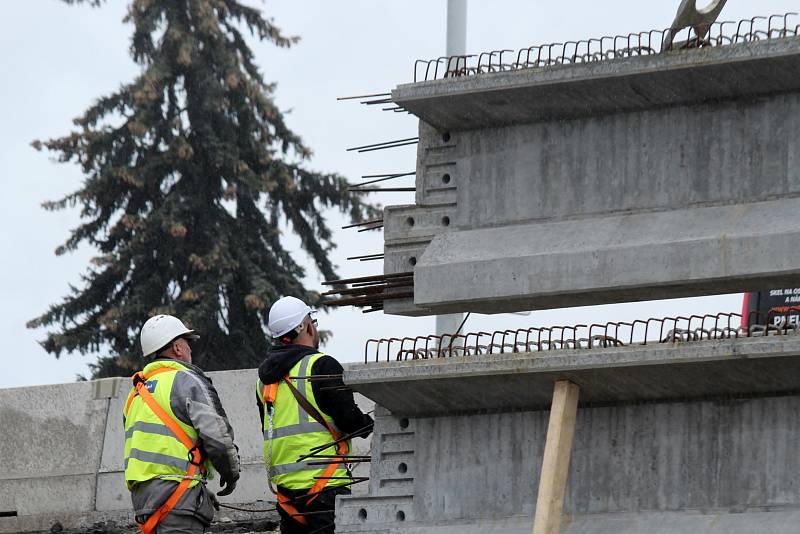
[(153, 521), (286, 503), (195, 459), (268, 394), (133, 392), (341, 449)]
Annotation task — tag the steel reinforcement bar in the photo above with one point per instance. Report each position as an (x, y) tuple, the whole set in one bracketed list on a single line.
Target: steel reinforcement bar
[(609, 47), (690, 328)]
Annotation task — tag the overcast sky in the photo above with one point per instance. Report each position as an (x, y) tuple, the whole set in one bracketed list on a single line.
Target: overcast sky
[(56, 60)]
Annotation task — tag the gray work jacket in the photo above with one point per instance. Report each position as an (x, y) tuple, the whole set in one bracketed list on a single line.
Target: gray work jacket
[(195, 402)]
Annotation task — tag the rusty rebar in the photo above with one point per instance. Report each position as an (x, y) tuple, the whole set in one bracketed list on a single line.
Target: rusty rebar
[(373, 278), (367, 289), (355, 301), (678, 329), (610, 47)]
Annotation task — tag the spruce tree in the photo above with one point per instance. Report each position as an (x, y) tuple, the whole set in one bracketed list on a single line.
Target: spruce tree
[(191, 173)]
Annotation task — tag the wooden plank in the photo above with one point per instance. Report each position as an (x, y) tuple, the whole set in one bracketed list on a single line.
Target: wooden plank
[(555, 464)]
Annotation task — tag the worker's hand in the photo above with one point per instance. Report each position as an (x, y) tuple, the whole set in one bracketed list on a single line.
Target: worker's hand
[(214, 501), (227, 485)]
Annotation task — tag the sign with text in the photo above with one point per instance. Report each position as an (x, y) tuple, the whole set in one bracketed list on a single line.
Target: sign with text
[(777, 307)]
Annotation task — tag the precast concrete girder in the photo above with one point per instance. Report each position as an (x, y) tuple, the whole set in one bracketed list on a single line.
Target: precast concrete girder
[(638, 178)]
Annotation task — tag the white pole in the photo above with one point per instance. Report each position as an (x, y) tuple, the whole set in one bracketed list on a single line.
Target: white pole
[(456, 27), (456, 46)]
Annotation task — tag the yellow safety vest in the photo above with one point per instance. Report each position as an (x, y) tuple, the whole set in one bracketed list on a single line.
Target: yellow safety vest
[(151, 449), (295, 433)]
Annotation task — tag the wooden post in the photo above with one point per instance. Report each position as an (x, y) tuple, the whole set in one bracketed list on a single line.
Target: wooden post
[(555, 464)]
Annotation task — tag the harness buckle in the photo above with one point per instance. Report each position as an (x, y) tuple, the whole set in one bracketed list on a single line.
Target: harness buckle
[(196, 456), (138, 378)]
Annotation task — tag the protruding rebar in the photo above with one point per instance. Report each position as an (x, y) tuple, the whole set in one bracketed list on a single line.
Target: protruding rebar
[(362, 223), (610, 47), (374, 278), (385, 178), (382, 189), (385, 144), (375, 95)]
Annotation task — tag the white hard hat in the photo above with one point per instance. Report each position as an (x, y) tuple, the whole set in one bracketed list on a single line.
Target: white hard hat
[(159, 330), (287, 314)]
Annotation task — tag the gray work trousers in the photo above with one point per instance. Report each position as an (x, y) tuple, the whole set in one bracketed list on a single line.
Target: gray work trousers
[(192, 513), (180, 524)]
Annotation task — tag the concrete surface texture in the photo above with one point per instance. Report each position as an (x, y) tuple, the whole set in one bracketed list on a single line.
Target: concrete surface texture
[(706, 462), (62, 452), (519, 381), (631, 179), (575, 90)]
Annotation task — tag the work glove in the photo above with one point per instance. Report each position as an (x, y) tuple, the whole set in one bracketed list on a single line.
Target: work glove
[(227, 485)]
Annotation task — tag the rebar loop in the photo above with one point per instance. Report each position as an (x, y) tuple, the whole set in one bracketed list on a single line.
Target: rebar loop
[(610, 47), (679, 329)]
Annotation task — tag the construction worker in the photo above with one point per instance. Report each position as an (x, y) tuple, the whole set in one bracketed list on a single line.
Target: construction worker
[(176, 435), (308, 417)]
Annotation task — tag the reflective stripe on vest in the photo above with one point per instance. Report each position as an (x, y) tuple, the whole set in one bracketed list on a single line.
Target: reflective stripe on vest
[(295, 433), (149, 428), (151, 448), (142, 391), (293, 430)]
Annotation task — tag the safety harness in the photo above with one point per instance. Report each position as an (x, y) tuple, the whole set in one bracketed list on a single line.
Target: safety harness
[(194, 453), (268, 394)]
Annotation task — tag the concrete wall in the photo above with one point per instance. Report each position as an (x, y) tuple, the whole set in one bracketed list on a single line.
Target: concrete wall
[(62, 450)]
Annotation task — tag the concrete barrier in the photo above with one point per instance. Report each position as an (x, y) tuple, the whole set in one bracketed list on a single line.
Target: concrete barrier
[(61, 454), (51, 449)]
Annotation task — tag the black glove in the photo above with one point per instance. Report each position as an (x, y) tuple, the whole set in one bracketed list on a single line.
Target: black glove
[(227, 485)]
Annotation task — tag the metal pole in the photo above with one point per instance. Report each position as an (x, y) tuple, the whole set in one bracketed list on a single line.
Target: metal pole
[(456, 33), (456, 27), (456, 46)]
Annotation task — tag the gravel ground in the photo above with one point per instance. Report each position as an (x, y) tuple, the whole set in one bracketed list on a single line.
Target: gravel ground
[(222, 526)]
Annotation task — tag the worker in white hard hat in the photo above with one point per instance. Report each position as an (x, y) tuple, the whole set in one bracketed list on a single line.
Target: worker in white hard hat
[(176, 435), (305, 411)]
